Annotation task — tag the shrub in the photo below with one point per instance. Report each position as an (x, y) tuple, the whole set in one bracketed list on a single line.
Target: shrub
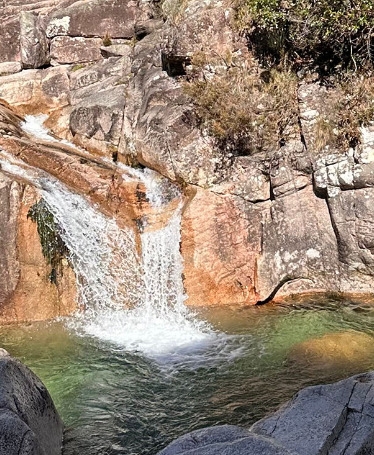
[(107, 40), (244, 112), (173, 10), (349, 107), (324, 33)]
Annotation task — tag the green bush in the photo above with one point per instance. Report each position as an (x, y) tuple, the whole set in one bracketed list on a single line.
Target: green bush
[(323, 33)]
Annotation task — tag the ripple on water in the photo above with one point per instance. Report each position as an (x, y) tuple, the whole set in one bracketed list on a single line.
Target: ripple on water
[(119, 399)]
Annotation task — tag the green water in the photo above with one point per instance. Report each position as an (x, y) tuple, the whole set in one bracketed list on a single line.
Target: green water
[(114, 402)]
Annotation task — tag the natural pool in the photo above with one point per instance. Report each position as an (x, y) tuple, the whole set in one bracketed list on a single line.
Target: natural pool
[(116, 402)]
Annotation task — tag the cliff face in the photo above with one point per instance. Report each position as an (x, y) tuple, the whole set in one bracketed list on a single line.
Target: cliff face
[(109, 75)]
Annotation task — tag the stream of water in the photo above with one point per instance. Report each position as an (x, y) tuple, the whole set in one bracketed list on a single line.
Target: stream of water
[(137, 368)]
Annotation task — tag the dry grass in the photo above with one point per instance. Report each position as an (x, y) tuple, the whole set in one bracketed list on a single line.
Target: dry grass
[(349, 107), (244, 112)]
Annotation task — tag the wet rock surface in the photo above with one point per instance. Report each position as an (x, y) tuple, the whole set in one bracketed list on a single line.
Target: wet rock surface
[(29, 423), (332, 419)]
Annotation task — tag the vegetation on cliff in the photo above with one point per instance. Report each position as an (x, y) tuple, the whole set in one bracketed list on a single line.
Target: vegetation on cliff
[(252, 108), (321, 33), (245, 112)]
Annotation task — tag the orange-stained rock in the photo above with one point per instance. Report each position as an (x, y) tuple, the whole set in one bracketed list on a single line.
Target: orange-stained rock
[(36, 91), (35, 297), (220, 245), (102, 182)]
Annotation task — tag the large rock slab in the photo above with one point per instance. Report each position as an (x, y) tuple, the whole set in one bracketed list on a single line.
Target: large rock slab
[(220, 246), (36, 90), (33, 42), (334, 419), (224, 439), (66, 49), (29, 422), (112, 18), (97, 120), (26, 290)]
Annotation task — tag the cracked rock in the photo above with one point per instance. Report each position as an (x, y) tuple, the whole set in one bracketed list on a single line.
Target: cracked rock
[(333, 419)]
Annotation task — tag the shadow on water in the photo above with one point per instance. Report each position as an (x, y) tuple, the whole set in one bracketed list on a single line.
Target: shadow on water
[(118, 402)]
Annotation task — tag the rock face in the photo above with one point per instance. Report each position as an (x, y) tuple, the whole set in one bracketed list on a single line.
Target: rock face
[(27, 292), (29, 423), (109, 74), (332, 419)]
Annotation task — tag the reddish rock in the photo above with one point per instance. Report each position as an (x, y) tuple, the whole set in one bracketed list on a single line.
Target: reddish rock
[(35, 91), (220, 246), (31, 296)]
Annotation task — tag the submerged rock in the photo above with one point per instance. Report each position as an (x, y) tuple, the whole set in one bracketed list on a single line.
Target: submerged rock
[(29, 422), (334, 349), (332, 419)]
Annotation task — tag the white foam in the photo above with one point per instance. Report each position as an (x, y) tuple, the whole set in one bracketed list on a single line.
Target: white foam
[(34, 125), (132, 301)]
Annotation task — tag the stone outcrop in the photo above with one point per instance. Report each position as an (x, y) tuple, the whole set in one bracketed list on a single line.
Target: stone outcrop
[(109, 74), (27, 291), (29, 423), (334, 419)]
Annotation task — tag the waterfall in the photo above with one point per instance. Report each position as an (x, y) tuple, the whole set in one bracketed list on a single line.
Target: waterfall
[(133, 300)]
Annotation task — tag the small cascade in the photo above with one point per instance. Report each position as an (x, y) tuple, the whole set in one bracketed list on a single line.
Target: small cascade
[(103, 256), (135, 301), (159, 324)]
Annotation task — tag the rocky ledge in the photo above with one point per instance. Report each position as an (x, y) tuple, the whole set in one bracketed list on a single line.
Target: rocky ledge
[(29, 423), (334, 419)]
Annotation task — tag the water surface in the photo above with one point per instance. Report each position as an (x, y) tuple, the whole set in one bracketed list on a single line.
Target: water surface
[(118, 402)]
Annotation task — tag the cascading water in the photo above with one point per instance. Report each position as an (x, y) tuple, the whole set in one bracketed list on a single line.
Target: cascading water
[(135, 302)]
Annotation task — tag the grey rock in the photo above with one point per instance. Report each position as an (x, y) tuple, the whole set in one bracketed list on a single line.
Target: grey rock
[(333, 419), (204, 437), (10, 68), (34, 44), (100, 116), (116, 50), (299, 249), (247, 179), (224, 440), (9, 266), (97, 18), (159, 126), (29, 423), (9, 43), (352, 214), (65, 49)]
